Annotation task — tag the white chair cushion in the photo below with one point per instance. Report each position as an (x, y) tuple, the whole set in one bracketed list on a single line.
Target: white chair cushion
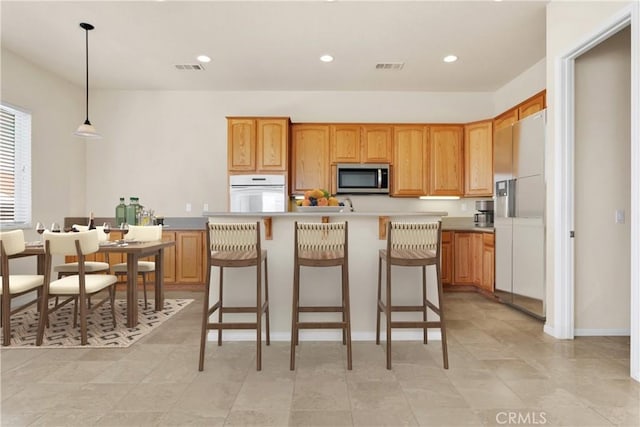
[(143, 267), (70, 285), (89, 267), (22, 282)]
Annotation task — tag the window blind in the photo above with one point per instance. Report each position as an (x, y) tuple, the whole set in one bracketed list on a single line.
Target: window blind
[(15, 168)]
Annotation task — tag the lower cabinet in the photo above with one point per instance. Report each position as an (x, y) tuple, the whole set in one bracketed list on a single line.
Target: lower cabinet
[(468, 259)]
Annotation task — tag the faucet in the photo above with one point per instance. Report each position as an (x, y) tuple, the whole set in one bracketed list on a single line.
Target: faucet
[(347, 199)]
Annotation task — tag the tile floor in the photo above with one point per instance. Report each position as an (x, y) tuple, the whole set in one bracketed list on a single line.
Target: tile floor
[(503, 371)]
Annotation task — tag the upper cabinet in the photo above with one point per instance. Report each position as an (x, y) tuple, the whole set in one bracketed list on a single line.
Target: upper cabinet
[(257, 144), (352, 143), (345, 143), (377, 144), (506, 119), (310, 164), (532, 105), (478, 159), (446, 160), (410, 155)]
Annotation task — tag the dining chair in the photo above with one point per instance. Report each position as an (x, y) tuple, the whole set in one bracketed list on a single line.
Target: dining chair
[(412, 245), (141, 233), (90, 267), (76, 288), (14, 285)]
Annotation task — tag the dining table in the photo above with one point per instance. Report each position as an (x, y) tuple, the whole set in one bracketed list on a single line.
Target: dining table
[(134, 251)]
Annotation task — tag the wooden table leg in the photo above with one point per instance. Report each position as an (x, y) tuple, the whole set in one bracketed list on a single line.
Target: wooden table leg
[(132, 290), (159, 281)]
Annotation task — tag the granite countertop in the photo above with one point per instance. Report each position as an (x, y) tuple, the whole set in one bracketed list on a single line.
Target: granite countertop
[(463, 224)]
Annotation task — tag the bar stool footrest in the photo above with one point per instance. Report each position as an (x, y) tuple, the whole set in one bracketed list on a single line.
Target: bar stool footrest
[(321, 309), (322, 325), (415, 324), (228, 325)]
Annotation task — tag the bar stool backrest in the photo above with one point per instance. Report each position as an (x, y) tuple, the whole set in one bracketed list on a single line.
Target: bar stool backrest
[(321, 237), (412, 236), (234, 237)]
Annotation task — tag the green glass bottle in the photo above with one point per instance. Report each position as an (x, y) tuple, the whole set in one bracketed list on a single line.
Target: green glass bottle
[(121, 212), (132, 211)]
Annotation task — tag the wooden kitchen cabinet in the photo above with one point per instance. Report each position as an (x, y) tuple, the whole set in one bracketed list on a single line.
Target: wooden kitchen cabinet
[(506, 119), (169, 257), (446, 254), (345, 144), (488, 262), (446, 160), (532, 105), (478, 159), (410, 160), (471, 256), (310, 163), (257, 144), (462, 258), (377, 144), (190, 265)]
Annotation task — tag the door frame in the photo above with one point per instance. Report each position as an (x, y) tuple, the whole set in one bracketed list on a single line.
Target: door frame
[(564, 289)]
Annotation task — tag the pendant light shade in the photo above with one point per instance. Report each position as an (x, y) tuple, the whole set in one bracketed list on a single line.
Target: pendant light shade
[(86, 130)]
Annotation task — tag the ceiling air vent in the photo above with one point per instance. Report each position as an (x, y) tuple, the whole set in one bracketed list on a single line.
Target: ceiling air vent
[(389, 65), (189, 67)]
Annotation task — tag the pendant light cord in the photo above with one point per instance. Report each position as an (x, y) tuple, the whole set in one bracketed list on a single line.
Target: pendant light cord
[(86, 33)]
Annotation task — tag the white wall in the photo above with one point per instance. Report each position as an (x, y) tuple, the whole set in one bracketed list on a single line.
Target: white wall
[(169, 147), (524, 86), (57, 157), (568, 25)]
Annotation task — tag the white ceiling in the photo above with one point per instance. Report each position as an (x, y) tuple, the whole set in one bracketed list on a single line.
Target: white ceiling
[(264, 45)]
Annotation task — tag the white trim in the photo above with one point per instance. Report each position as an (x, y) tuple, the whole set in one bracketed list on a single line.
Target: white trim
[(602, 332), (564, 208), (325, 336), (548, 329)]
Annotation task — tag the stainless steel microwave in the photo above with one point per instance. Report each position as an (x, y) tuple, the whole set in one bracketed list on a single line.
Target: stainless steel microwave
[(353, 178)]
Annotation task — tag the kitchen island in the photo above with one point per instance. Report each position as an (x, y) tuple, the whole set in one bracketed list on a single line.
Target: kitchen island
[(364, 243)]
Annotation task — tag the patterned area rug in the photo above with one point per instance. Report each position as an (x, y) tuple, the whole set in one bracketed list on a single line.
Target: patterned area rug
[(100, 331)]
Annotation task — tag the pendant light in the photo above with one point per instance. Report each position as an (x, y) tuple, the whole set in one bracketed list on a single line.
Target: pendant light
[(86, 130)]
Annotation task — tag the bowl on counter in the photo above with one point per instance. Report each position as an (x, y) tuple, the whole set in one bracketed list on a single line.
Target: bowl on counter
[(318, 209)]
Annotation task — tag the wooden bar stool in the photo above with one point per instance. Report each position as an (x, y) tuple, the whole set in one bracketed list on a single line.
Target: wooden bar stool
[(235, 245), (321, 245), (411, 245)]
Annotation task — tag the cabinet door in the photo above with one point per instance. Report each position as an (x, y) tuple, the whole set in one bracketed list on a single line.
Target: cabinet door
[(410, 160), (478, 159), (272, 144), (446, 160), (446, 255), (345, 144), (189, 259), (488, 262), (310, 157), (169, 262), (241, 144), (476, 258), (506, 119), (462, 258), (376, 144), (531, 106)]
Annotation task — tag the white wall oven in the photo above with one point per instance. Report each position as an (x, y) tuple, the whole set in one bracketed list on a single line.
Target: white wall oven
[(257, 193)]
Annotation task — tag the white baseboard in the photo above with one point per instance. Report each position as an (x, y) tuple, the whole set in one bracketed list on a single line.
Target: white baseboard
[(548, 329), (602, 332), (325, 336)]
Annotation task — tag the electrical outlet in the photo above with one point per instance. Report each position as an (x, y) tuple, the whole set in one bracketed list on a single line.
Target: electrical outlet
[(188, 207), (619, 216), (205, 207), (463, 206)]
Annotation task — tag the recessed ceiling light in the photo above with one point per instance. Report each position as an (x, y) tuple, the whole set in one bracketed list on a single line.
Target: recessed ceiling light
[(450, 58), (203, 58), (326, 58)]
